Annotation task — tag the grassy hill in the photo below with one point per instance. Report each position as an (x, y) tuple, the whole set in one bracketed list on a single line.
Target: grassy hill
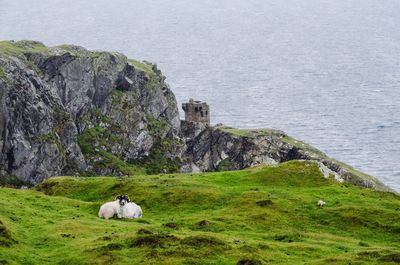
[(263, 215)]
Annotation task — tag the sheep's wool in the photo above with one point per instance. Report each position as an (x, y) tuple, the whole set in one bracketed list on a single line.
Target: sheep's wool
[(131, 210), (110, 209)]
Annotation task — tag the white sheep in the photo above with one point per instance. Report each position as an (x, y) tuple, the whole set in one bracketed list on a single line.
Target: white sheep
[(131, 210), (320, 203), (110, 209)]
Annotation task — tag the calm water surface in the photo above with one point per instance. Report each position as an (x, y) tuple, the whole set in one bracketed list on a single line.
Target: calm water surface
[(327, 72)]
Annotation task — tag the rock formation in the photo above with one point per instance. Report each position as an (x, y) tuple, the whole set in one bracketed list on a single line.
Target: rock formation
[(221, 148), (69, 111), (66, 110)]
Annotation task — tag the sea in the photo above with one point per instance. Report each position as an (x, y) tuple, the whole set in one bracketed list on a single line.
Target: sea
[(326, 72)]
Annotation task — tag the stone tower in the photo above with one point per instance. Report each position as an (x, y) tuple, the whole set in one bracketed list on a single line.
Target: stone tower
[(197, 111)]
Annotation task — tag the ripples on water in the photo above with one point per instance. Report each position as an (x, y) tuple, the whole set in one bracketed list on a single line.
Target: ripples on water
[(327, 72)]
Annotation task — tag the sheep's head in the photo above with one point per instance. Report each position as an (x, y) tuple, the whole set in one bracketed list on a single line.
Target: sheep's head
[(122, 199)]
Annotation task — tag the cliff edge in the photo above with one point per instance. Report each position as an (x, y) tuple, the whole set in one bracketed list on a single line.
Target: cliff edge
[(69, 111), (221, 148), (66, 110)]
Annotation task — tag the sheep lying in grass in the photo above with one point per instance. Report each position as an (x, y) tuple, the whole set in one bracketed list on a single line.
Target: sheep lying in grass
[(122, 207), (110, 209), (320, 203), (131, 210)]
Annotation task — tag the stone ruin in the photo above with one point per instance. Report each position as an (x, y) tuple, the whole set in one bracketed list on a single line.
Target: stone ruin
[(197, 111)]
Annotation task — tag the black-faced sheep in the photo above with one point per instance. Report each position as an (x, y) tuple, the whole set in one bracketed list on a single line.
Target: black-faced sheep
[(109, 209)]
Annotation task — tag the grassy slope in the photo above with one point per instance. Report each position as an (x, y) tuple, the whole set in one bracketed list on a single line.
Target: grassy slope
[(147, 68), (250, 133), (264, 214), (18, 48)]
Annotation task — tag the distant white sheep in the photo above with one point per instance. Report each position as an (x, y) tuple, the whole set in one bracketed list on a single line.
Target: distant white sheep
[(320, 203), (110, 209)]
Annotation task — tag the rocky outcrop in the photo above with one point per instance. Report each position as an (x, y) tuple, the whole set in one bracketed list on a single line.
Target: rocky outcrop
[(221, 148), (67, 110)]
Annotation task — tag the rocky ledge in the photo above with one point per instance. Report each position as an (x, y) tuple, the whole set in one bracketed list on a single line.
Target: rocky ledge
[(222, 148), (69, 111)]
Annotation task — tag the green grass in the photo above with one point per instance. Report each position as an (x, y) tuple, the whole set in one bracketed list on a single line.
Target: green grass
[(21, 47), (267, 215), (147, 68), (250, 133), (3, 75), (356, 175)]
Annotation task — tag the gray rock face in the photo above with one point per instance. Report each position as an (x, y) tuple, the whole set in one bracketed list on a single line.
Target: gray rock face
[(65, 110)]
